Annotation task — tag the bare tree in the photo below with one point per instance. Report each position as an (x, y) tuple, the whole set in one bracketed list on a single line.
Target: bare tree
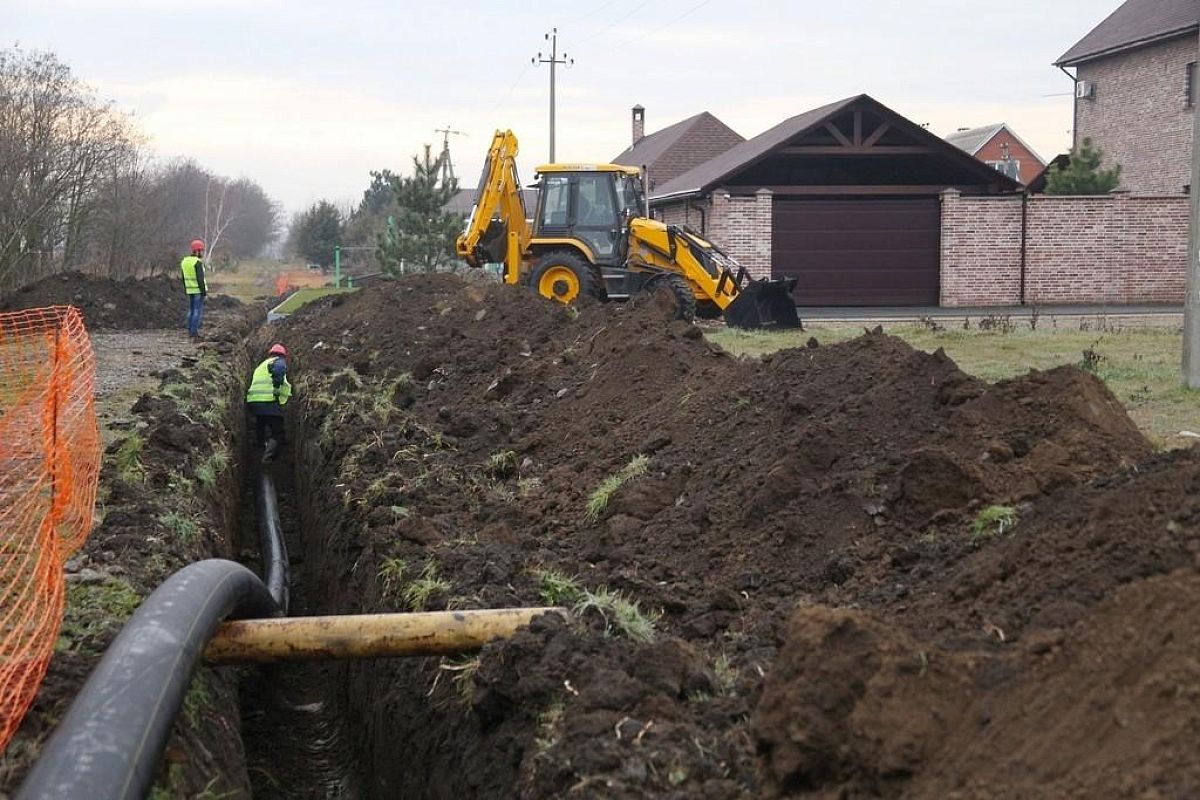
[(56, 139)]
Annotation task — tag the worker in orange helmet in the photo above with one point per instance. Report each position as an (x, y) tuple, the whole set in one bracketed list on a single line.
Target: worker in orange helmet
[(268, 394), (194, 287)]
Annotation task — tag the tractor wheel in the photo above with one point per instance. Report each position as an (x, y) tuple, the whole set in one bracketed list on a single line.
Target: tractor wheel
[(680, 291), (564, 276)]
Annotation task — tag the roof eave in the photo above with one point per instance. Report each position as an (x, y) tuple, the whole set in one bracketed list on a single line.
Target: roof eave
[(677, 195), (1112, 51)]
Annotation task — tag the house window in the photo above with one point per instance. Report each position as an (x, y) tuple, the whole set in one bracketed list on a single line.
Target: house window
[(1190, 88), (1010, 167)]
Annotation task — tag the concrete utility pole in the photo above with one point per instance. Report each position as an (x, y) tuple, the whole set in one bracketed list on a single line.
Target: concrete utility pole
[(553, 61), (1191, 307)]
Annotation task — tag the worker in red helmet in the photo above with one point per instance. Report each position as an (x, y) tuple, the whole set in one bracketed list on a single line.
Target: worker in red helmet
[(192, 268), (268, 394)]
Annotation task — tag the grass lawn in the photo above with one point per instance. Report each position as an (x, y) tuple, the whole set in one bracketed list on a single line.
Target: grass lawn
[(1140, 366), (253, 279), (300, 297)]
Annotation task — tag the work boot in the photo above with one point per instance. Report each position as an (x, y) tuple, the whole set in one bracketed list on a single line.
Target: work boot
[(270, 451)]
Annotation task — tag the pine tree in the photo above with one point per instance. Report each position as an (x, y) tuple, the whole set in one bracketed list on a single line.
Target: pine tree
[(1083, 175), (316, 232), (420, 236)]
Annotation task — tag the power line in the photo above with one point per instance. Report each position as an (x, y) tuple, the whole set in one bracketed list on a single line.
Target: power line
[(616, 22), (595, 11), (511, 89), (661, 28)]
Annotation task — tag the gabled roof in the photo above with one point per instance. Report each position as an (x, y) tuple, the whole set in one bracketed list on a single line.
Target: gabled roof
[(464, 200), (972, 140), (711, 173), (677, 148), (1135, 24)]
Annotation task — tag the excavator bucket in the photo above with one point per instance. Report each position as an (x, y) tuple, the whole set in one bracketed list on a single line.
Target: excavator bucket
[(764, 304)]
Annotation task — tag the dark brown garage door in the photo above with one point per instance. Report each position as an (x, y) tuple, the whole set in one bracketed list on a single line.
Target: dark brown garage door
[(858, 252)]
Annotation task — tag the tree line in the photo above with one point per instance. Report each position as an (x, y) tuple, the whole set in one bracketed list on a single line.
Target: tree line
[(402, 220), (80, 190)]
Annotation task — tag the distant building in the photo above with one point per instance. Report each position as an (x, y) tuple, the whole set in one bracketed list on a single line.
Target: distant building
[(999, 147), (674, 150), (1135, 92), (463, 202), (846, 198)]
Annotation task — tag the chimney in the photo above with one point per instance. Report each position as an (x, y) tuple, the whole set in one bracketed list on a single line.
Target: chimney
[(639, 123)]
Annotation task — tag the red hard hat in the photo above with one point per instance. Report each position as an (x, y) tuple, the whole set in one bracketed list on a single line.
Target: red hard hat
[(197, 245), (277, 350)]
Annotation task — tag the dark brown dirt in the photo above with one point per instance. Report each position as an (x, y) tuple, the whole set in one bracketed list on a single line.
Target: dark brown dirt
[(821, 478), (109, 304)]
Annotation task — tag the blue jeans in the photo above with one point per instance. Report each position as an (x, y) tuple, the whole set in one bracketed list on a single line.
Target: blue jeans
[(195, 312)]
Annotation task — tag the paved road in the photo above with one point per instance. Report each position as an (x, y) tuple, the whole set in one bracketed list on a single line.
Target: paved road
[(1156, 315)]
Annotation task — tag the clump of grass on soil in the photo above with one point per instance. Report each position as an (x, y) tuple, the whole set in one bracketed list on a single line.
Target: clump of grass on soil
[(599, 499), (620, 614), (556, 588), (993, 521), (128, 459)]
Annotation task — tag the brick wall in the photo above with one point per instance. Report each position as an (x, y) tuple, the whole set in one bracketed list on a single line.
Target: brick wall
[(739, 224), (1139, 116), (981, 250), (1113, 249)]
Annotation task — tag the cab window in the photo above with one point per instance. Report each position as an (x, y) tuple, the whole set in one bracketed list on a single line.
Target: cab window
[(596, 207), (556, 196)]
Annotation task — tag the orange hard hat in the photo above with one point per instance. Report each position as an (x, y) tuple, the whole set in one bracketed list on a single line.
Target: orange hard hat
[(277, 350), (197, 245)]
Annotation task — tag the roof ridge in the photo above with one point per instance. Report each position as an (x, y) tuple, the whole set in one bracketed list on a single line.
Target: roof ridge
[(1134, 24)]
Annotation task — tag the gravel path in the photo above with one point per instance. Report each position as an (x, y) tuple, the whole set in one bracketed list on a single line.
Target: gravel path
[(126, 364)]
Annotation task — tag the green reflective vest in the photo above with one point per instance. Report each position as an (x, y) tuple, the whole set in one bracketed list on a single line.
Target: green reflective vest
[(262, 387), (191, 282)]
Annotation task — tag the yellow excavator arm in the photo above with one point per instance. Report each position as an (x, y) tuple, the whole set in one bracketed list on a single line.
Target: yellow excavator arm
[(497, 230), (715, 276)]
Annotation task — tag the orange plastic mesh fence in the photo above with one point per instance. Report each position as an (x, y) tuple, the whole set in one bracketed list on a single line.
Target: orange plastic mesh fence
[(49, 467)]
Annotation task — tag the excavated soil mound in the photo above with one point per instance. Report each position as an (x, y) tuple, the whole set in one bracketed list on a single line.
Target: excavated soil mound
[(109, 304), (847, 475)]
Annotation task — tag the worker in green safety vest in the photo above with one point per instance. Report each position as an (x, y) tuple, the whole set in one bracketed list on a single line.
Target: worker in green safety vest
[(268, 394), (194, 287)]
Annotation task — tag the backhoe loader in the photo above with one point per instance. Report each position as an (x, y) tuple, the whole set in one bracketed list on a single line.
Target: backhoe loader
[(591, 234)]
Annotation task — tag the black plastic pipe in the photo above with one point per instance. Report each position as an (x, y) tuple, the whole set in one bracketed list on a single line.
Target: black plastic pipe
[(276, 573), (110, 743)]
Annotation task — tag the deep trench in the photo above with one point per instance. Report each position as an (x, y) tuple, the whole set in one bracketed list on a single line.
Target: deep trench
[(347, 729), (294, 729)]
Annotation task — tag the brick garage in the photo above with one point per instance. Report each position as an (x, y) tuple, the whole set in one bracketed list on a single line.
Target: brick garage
[(1114, 249), (864, 170)]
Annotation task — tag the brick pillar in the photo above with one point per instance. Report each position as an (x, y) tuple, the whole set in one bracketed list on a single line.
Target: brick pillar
[(948, 280), (763, 205), (718, 218)]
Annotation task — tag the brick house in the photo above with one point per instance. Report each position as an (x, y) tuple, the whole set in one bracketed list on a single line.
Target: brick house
[(1135, 91), (846, 198), (677, 148), (1001, 148)]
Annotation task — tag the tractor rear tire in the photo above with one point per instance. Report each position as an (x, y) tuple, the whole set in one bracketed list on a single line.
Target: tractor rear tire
[(566, 276), (681, 294)]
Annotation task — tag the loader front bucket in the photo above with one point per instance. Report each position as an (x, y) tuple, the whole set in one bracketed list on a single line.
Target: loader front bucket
[(764, 304)]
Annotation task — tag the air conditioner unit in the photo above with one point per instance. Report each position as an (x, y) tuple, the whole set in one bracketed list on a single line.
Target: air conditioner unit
[(1085, 89)]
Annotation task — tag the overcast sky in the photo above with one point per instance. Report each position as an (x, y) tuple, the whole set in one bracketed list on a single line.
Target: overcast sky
[(307, 97)]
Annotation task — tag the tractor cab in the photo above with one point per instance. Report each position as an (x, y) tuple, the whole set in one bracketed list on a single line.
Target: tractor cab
[(590, 204)]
